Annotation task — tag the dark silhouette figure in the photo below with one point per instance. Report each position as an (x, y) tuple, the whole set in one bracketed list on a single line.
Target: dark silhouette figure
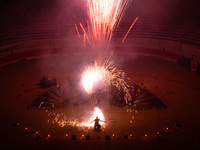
[(48, 82), (96, 123)]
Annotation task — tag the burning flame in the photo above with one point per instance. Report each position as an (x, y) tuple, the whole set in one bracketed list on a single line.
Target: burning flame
[(97, 113)]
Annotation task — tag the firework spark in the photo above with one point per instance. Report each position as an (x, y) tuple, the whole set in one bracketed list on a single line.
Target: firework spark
[(129, 30), (77, 31)]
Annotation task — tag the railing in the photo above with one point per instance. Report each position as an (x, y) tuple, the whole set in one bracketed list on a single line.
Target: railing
[(49, 31), (154, 31)]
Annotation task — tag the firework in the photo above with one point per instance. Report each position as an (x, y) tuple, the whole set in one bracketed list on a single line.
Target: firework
[(108, 74), (104, 17), (77, 31), (91, 78)]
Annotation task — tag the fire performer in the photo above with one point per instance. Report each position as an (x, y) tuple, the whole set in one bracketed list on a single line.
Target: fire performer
[(96, 123)]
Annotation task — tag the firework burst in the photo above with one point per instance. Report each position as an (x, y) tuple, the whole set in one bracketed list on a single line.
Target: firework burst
[(92, 76), (104, 16), (106, 73)]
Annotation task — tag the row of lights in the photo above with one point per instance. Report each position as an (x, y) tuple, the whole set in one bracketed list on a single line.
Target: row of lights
[(87, 137), (113, 136)]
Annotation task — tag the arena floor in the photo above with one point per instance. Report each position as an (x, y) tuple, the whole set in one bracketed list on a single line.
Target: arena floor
[(177, 87)]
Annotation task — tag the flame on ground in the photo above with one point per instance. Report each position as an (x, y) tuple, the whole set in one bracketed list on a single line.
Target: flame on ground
[(97, 113)]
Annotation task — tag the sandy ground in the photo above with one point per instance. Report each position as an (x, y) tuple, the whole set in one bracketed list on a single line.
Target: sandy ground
[(177, 88)]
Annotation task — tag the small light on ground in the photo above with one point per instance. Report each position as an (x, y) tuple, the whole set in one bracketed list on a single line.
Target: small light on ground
[(26, 129), (37, 133), (49, 136), (130, 135), (157, 133)]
